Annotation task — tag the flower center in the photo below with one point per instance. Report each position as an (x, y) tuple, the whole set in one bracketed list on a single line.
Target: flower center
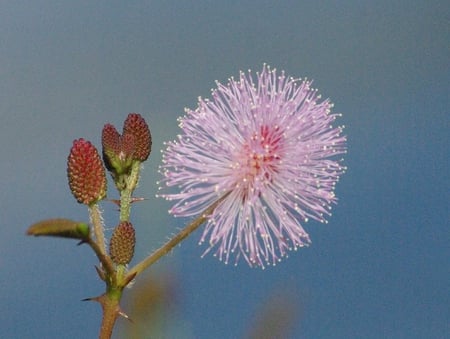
[(259, 160)]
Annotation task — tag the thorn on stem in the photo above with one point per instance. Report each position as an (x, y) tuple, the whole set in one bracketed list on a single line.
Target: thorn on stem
[(123, 314), (97, 299), (129, 279), (133, 199), (100, 273)]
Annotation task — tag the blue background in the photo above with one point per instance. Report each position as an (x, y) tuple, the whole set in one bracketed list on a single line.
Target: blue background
[(378, 269)]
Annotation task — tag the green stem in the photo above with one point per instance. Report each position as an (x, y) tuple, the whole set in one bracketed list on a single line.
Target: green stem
[(125, 193), (114, 276), (168, 246)]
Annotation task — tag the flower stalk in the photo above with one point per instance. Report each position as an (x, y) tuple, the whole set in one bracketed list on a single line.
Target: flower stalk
[(130, 184), (111, 311), (174, 241), (95, 216)]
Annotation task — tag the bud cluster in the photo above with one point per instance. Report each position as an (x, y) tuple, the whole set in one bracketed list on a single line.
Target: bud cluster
[(85, 170), (120, 151), (122, 156)]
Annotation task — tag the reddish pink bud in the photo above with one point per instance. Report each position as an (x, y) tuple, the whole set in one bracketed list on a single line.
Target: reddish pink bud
[(86, 174), (128, 145), (110, 139), (121, 246), (136, 126)]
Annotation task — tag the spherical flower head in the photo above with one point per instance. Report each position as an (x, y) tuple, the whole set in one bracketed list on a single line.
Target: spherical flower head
[(136, 126), (86, 174), (270, 148), (121, 246)]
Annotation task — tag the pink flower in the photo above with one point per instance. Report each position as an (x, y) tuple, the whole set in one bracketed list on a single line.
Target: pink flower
[(271, 145)]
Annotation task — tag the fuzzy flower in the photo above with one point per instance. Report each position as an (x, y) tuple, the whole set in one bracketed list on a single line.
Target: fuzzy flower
[(269, 144)]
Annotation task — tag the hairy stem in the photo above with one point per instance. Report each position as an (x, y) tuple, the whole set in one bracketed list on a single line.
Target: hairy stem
[(168, 246), (111, 310), (125, 194), (104, 259), (97, 223)]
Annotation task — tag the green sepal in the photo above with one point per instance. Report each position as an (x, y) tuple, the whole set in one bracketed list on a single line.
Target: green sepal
[(116, 164), (64, 228)]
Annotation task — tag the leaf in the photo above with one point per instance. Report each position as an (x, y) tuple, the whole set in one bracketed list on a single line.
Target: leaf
[(59, 227)]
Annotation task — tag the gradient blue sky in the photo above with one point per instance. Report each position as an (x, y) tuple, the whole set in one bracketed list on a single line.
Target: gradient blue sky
[(379, 269)]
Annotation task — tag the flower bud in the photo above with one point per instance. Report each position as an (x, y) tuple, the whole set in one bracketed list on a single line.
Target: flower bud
[(121, 246), (136, 126), (86, 174), (117, 150)]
